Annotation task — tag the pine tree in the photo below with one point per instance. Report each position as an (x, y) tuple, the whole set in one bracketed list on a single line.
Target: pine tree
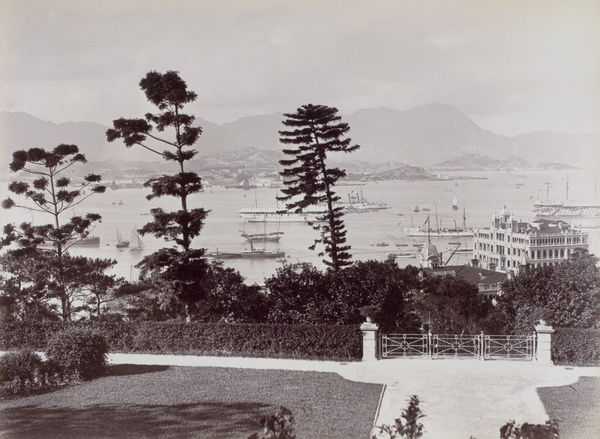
[(316, 131), (181, 269), (52, 194)]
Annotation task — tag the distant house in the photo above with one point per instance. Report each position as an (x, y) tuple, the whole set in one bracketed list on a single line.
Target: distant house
[(488, 282)]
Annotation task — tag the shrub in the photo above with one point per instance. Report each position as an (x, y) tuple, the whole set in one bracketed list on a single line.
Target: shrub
[(21, 371), (78, 352), (576, 346), (510, 430), (279, 426)]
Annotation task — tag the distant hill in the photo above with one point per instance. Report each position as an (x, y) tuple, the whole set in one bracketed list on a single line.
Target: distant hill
[(474, 162), (423, 136)]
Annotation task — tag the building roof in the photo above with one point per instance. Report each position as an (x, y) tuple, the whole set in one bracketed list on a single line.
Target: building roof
[(475, 275)]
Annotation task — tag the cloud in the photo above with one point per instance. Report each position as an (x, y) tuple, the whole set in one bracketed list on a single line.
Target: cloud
[(495, 60)]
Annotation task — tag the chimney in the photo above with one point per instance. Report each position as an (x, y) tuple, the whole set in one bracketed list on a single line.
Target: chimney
[(475, 262), (492, 266)]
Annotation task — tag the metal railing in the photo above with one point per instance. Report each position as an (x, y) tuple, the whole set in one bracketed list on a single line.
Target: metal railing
[(483, 347)]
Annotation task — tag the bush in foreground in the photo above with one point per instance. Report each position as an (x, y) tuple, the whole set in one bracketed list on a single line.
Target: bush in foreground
[(78, 352)]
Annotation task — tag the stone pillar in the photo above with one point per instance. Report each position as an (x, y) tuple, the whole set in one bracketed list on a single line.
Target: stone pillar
[(544, 343), (369, 332)]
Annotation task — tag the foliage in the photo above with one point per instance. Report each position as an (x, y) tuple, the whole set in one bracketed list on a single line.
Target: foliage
[(315, 131), (410, 428), (576, 346), (23, 365), (310, 296), (281, 425), (381, 284), (511, 430), (50, 194), (24, 371), (569, 291), (78, 351), (330, 342), (296, 296), (184, 269), (25, 285), (451, 305)]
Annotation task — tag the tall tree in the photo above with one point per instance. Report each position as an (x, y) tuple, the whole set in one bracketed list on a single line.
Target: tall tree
[(315, 131), (52, 194), (181, 268)]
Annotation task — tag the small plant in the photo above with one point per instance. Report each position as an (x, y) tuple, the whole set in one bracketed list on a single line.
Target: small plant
[(511, 430), (78, 352), (369, 312), (278, 426), (542, 316), (410, 428)]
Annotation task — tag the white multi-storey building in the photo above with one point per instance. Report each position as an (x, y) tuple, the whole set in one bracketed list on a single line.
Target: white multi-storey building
[(509, 245)]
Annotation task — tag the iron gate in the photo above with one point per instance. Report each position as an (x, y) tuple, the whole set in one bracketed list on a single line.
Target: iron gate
[(481, 346)]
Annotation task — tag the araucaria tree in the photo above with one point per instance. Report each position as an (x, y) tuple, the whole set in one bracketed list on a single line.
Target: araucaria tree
[(52, 194), (182, 269), (315, 131)]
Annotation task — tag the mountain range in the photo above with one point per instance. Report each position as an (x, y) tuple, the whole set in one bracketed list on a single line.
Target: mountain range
[(434, 135)]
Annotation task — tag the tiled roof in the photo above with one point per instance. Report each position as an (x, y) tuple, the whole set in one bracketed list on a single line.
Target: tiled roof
[(475, 275)]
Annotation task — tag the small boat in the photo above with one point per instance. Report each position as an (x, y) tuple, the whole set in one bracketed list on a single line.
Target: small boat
[(136, 241), (455, 203), (382, 244), (453, 242), (426, 209), (90, 241), (400, 255), (121, 243), (401, 244), (215, 261), (416, 209)]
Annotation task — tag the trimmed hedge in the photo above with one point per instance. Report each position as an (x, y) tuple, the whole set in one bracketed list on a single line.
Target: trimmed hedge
[(323, 342), (576, 346)]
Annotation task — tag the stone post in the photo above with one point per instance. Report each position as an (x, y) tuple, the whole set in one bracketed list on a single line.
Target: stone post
[(369, 332), (544, 343)]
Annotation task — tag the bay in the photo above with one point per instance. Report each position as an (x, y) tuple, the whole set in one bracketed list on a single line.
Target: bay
[(479, 195)]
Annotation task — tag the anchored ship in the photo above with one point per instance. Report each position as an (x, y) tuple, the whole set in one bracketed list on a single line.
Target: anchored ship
[(426, 231)]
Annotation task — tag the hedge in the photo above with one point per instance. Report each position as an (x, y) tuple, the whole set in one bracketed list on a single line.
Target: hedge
[(580, 347), (323, 342)]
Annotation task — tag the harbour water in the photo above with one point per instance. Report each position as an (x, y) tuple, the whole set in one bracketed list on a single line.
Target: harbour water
[(480, 194)]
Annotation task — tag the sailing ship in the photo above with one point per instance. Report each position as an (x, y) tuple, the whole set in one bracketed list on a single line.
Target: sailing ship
[(121, 243), (455, 203), (568, 208), (254, 214), (136, 241), (265, 237)]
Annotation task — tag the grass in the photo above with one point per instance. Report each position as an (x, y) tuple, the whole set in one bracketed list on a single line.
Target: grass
[(134, 401), (576, 407)]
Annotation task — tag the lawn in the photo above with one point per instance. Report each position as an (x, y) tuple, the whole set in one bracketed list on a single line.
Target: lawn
[(576, 407), (134, 401)]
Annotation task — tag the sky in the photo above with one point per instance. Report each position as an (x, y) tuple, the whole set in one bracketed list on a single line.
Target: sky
[(513, 66)]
